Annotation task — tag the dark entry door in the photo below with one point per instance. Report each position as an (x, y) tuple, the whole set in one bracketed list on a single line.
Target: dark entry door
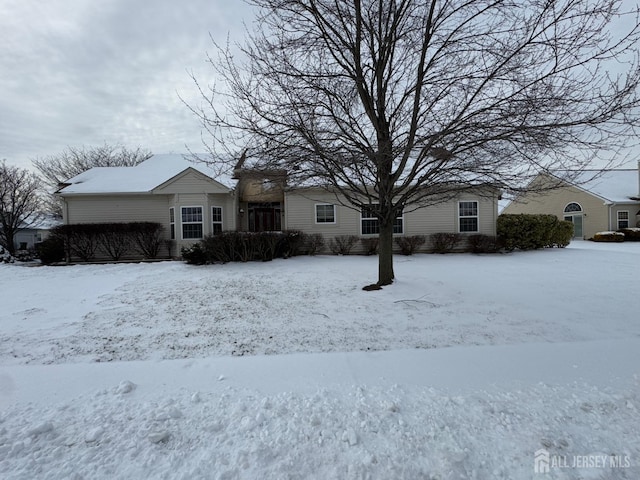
[(264, 217)]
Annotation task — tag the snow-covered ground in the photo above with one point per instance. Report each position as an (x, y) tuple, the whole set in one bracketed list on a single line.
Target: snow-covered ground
[(134, 370)]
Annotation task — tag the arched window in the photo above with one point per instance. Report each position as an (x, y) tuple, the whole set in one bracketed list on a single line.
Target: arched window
[(572, 207)]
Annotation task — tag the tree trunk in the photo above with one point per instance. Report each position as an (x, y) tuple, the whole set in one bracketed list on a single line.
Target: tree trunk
[(385, 253)]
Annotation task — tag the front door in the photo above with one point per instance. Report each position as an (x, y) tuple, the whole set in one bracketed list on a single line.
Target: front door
[(264, 217), (577, 224)]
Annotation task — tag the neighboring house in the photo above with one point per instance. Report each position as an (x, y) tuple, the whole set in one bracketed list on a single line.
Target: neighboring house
[(594, 201), (191, 202), (33, 233)]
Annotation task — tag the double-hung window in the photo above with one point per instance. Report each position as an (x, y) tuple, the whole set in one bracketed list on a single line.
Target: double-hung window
[(192, 223), (623, 219), (468, 216), (325, 213), (370, 225), (216, 220)]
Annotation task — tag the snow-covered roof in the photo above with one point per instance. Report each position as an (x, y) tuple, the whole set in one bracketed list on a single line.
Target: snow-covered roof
[(142, 178), (43, 222), (612, 185)]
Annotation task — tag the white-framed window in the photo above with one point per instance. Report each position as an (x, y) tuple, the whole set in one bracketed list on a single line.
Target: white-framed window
[(172, 222), (468, 216), (623, 219), (370, 225), (572, 207), (216, 220), (191, 223), (325, 213)]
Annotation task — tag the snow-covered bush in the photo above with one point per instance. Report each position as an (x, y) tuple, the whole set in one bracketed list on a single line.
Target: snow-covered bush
[(5, 256), (608, 237), (630, 234), (194, 255)]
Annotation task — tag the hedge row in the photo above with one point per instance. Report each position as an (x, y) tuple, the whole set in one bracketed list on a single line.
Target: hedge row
[(528, 232), (89, 241), (234, 246)]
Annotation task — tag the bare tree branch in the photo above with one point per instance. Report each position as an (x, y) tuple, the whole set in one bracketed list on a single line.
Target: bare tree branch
[(400, 103), (20, 202), (56, 169)]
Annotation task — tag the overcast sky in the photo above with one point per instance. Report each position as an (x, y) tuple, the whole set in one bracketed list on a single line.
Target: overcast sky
[(86, 72)]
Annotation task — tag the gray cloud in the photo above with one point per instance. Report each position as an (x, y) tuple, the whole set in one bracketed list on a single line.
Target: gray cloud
[(75, 72)]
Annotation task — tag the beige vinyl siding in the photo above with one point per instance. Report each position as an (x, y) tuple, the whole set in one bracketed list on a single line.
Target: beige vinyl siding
[(595, 212), (150, 208), (300, 215), (117, 208), (191, 182)]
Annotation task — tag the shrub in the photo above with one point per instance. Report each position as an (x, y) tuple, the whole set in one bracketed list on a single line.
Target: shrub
[(194, 255), (480, 243), (562, 234), (267, 244), (527, 232), (51, 250), (608, 237), (292, 242), (370, 245), (315, 243), (443, 242), (147, 236), (115, 239), (81, 240), (409, 245), (630, 234), (342, 244), (5, 256)]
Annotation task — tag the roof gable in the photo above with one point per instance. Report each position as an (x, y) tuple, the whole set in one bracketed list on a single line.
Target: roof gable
[(191, 180)]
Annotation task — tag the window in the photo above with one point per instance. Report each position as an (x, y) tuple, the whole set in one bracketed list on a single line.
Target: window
[(191, 223), (325, 213), (370, 224), (172, 222), (623, 219), (216, 220), (572, 207), (468, 216)]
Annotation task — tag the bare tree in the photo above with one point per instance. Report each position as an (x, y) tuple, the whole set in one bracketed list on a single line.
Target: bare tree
[(394, 104), (56, 169), (20, 202)]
